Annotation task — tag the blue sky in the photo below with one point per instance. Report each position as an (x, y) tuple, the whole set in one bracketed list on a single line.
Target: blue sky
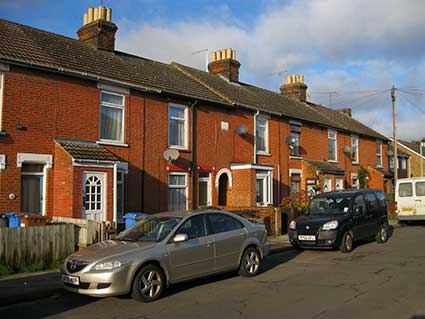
[(355, 49)]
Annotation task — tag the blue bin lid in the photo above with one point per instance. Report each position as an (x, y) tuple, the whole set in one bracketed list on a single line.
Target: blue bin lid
[(132, 215)]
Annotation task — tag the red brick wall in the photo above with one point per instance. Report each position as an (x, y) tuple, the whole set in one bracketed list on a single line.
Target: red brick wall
[(56, 106)]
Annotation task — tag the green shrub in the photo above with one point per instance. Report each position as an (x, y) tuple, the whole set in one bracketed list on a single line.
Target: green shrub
[(5, 270)]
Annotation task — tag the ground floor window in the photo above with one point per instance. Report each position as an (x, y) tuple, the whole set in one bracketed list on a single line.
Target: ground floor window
[(32, 179), (354, 181), (339, 184), (204, 189), (295, 183), (327, 185), (177, 191), (311, 187), (263, 188)]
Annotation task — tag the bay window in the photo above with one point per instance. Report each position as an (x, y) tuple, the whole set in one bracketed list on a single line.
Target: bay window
[(332, 146), (177, 126), (177, 191), (111, 117), (263, 188)]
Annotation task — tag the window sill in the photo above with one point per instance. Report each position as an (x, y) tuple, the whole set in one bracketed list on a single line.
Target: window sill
[(264, 153), (112, 143), (296, 157), (180, 149), (355, 163), (331, 161)]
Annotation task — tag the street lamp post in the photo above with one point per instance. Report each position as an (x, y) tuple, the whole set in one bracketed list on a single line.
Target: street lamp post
[(421, 145)]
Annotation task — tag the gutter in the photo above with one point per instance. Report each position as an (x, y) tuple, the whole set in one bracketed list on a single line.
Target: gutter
[(193, 153)]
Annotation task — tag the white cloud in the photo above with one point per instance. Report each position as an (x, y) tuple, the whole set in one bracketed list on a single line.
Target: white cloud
[(340, 45)]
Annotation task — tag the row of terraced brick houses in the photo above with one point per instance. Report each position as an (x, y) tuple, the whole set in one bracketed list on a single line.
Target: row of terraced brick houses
[(84, 128)]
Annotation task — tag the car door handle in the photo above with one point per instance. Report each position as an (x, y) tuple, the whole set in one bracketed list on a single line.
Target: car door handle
[(208, 243)]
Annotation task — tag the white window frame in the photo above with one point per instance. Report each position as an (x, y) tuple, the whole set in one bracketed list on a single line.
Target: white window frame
[(335, 140), (327, 182), (266, 134), (186, 177), (1, 98), (186, 126), (340, 182), (357, 185), (379, 162), (403, 163), (355, 138), (267, 179), (116, 106), (209, 188)]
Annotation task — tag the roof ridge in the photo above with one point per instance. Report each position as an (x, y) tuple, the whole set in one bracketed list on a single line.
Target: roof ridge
[(178, 66)]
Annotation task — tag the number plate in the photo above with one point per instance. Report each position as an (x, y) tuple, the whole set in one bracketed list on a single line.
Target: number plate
[(406, 209), (306, 237), (73, 280)]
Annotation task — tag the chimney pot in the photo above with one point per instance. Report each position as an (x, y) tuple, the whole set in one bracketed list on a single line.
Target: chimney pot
[(108, 14), (234, 54), (85, 19), (90, 15)]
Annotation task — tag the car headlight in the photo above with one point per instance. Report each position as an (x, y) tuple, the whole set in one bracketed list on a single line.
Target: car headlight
[(293, 225), (108, 265), (330, 225)]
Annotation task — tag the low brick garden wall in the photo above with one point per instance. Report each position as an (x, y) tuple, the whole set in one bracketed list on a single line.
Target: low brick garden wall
[(272, 217)]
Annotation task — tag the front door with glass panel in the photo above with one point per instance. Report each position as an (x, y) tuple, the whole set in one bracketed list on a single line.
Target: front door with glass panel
[(94, 195), (32, 179), (204, 189)]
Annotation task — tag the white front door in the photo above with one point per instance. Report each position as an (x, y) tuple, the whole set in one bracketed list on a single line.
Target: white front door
[(94, 196)]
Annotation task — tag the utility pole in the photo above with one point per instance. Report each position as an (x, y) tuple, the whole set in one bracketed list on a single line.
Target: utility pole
[(421, 144), (393, 89)]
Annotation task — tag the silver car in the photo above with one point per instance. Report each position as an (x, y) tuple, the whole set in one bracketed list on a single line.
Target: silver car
[(164, 249)]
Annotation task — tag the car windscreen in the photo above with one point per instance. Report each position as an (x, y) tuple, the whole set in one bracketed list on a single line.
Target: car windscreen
[(329, 205), (150, 228)]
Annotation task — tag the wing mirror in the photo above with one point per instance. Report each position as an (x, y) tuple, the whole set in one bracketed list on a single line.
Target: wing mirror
[(180, 238)]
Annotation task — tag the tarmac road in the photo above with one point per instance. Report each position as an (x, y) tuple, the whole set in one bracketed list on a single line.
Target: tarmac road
[(374, 281)]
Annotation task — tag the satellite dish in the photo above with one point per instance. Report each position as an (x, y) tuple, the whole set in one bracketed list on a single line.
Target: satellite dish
[(347, 149), (241, 129), (171, 155)]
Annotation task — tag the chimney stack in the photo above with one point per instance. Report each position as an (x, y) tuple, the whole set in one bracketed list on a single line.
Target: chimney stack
[(346, 111), (224, 62), (98, 30), (295, 87)]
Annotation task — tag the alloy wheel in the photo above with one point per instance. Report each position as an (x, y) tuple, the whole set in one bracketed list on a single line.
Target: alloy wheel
[(348, 242), (150, 284), (252, 262), (383, 234)]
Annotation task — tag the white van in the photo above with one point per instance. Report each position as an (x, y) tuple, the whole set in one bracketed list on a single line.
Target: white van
[(410, 198)]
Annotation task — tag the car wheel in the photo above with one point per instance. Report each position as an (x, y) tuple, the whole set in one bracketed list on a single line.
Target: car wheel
[(346, 245), (148, 284), (382, 234), (250, 263)]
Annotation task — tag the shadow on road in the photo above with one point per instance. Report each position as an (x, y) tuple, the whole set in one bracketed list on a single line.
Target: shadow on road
[(42, 308), (368, 241), (269, 263)]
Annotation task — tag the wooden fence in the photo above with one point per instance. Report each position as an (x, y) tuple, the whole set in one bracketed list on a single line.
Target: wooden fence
[(28, 245), (88, 232)]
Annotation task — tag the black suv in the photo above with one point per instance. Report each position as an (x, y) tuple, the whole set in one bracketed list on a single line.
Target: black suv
[(338, 219)]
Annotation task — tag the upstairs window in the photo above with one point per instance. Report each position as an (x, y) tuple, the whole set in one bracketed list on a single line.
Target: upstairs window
[(112, 117), (379, 153), (261, 132), (177, 126), (294, 142), (332, 146), (355, 149)]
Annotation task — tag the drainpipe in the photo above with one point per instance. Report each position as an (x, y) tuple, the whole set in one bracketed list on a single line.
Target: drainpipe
[(115, 192), (255, 137), (193, 153)]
